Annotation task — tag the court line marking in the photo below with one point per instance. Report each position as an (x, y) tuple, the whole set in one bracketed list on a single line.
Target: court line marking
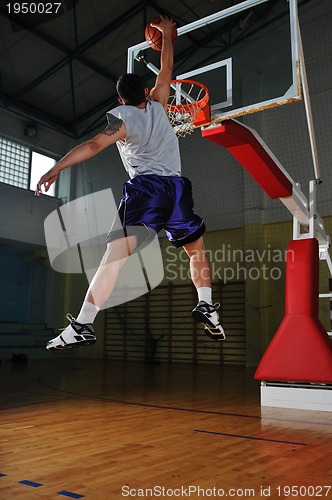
[(164, 407), (33, 484), (30, 483), (24, 405), (70, 494), (250, 437)]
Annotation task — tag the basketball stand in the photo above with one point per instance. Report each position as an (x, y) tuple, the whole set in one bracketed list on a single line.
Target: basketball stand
[(296, 369)]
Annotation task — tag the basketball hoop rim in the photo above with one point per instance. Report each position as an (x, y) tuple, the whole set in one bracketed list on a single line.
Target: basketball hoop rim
[(187, 108)]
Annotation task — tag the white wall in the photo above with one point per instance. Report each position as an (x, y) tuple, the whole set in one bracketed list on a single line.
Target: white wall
[(23, 214), (13, 126)]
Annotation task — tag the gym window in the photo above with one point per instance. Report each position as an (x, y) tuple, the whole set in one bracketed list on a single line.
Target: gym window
[(39, 165), (21, 166)]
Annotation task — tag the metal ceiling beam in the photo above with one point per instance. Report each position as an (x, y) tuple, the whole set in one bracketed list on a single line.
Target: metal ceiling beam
[(77, 53), (106, 104), (41, 78), (52, 122), (31, 113), (100, 120), (2, 90), (56, 67), (71, 73), (122, 19), (71, 54), (73, 99)]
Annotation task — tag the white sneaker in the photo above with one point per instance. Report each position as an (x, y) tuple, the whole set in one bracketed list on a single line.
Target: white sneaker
[(207, 315), (76, 334)]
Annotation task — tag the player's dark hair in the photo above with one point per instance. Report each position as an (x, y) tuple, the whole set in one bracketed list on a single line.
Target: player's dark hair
[(130, 88)]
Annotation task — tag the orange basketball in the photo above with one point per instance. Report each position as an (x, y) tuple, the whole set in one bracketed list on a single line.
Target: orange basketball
[(154, 37)]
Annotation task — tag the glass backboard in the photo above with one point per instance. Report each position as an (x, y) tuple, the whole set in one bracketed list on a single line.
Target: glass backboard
[(247, 56)]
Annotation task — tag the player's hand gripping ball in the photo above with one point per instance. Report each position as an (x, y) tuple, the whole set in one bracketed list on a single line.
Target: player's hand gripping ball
[(154, 36)]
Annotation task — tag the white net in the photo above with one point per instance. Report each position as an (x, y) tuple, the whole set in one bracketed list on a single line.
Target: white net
[(187, 99)]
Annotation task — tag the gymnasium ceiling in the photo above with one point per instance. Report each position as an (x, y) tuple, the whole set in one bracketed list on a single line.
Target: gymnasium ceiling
[(60, 70)]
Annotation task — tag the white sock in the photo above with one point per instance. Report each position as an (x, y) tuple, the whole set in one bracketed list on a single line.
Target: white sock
[(87, 313), (205, 294)]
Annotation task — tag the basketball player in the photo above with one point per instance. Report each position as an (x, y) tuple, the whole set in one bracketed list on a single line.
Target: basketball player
[(156, 196)]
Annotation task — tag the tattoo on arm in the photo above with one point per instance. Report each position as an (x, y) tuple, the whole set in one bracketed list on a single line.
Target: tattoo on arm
[(114, 125)]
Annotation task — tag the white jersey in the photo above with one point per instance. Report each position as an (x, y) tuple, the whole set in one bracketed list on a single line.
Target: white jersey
[(150, 145)]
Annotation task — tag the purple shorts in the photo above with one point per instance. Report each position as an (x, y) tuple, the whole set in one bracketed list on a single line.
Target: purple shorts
[(160, 202)]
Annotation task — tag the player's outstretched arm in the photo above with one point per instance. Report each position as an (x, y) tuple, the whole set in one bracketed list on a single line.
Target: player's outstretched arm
[(114, 131), (160, 92)]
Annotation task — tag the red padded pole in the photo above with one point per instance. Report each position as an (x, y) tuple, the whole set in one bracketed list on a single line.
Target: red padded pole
[(301, 350), (302, 277)]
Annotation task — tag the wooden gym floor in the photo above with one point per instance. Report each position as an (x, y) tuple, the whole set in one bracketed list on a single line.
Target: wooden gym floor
[(107, 430)]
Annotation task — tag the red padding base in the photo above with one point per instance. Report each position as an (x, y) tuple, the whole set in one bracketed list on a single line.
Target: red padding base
[(243, 144), (301, 350)]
